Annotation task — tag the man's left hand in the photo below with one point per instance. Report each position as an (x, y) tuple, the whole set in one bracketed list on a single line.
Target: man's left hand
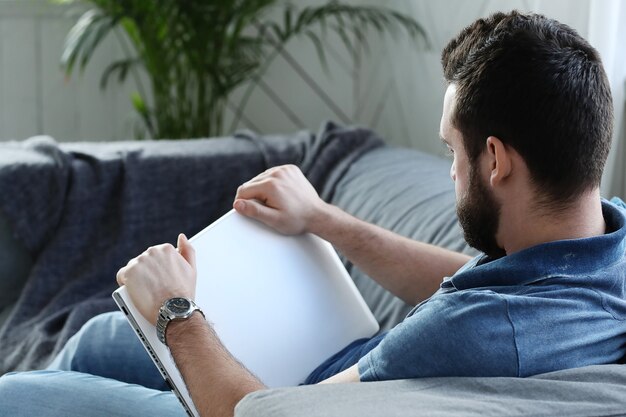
[(158, 274)]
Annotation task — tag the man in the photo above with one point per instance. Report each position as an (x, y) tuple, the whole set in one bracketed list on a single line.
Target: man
[(527, 117)]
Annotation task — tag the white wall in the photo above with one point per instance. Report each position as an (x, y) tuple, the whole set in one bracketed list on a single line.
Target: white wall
[(400, 88), (413, 118), (397, 90), (35, 96)]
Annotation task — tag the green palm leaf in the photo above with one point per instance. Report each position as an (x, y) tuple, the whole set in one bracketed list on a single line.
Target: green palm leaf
[(195, 53), (84, 38)]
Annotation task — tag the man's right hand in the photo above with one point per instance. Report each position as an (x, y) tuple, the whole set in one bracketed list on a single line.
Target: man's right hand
[(283, 199)]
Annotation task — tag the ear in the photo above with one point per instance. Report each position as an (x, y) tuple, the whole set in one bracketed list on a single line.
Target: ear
[(499, 159)]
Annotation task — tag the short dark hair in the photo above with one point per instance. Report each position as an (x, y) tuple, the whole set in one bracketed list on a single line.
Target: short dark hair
[(540, 88)]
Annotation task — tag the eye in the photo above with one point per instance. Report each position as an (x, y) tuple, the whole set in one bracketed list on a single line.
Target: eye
[(449, 151)]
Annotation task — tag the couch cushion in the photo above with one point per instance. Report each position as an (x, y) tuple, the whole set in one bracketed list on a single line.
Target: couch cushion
[(408, 192), (590, 391)]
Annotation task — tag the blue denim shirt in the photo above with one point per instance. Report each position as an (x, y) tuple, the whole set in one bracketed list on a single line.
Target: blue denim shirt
[(552, 306)]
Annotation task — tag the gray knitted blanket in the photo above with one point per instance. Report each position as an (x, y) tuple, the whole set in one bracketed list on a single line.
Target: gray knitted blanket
[(83, 210)]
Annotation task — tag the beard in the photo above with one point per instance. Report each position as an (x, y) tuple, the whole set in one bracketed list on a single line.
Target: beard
[(479, 216)]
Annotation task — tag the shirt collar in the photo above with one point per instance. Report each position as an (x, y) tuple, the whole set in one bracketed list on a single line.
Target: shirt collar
[(563, 257)]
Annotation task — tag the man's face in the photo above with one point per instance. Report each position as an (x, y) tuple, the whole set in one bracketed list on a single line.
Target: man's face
[(479, 215), (477, 208)]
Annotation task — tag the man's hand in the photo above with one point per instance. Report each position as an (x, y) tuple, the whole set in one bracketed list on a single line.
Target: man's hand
[(216, 380), (160, 273), (283, 199)]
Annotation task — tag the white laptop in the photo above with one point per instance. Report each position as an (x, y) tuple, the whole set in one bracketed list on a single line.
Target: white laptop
[(280, 304)]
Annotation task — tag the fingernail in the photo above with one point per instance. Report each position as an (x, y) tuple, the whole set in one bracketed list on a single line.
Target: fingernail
[(239, 205)]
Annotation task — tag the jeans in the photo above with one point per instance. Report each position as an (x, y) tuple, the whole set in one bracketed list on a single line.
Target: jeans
[(344, 359), (103, 371)]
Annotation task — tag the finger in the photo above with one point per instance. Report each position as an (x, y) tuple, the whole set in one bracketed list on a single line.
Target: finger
[(186, 250), (158, 248), (262, 176), (121, 277), (261, 190), (258, 211), (122, 274), (267, 174)]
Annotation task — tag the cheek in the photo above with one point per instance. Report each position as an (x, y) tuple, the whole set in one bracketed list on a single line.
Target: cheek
[(458, 190)]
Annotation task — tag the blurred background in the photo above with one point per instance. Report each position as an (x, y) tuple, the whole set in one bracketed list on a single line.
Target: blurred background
[(393, 86)]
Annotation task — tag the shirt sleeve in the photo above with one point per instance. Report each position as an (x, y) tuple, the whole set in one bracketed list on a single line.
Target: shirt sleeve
[(466, 333)]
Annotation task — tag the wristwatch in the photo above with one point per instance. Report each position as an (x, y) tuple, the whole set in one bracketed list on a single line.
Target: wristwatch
[(177, 308)]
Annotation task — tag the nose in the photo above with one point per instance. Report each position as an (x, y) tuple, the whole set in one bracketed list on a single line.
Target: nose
[(453, 172)]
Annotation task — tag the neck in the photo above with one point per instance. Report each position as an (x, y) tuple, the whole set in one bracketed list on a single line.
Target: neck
[(523, 225)]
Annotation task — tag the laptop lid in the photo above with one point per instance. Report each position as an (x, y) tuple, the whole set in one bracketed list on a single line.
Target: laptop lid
[(280, 304)]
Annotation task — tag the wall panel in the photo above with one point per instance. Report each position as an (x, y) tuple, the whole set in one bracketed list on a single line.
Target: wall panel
[(35, 95), (19, 85), (397, 89)]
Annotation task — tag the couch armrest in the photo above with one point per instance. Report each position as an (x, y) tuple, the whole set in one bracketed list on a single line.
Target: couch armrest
[(15, 264), (593, 390)]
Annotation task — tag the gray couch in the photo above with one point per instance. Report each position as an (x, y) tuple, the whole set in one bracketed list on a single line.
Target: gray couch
[(405, 191)]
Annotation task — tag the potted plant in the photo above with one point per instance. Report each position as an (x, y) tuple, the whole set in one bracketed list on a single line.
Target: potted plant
[(195, 53)]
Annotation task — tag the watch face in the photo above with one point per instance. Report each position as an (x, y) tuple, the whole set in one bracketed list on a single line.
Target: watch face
[(178, 305)]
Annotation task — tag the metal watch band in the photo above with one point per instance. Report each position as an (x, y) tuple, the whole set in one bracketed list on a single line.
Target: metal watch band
[(165, 316)]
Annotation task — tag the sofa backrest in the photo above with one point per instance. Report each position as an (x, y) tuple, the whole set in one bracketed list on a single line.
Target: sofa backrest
[(408, 192), (15, 264)]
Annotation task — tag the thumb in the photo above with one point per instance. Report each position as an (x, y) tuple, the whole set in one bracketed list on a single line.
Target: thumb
[(186, 250), (256, 210)]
